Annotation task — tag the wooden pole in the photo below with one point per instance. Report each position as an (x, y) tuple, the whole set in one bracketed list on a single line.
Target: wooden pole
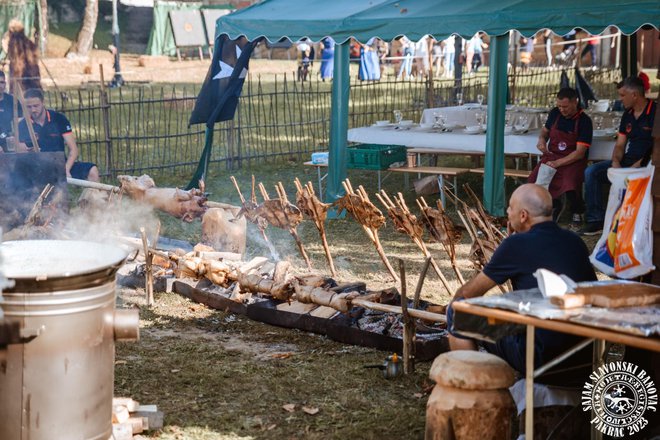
[(105, 113), (420, 282), (408, 326), (149, 274)]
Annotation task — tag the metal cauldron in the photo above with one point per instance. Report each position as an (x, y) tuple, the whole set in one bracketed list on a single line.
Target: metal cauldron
[(57, 382)]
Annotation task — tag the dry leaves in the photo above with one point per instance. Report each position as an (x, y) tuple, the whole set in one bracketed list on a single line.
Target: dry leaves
[(289, 407), (311, 410)]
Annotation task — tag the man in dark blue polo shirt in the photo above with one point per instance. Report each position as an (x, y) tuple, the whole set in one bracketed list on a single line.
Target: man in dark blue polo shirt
[(53, 132), (535, 242), (635, 132), (6, 115)]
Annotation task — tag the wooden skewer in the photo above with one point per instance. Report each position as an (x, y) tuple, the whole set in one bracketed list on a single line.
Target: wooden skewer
[(253, 196), (264, 193), (240, 194)]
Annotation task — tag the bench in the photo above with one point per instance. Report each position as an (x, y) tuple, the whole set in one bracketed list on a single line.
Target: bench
[(508, 172), (441, 172), (322, 177)]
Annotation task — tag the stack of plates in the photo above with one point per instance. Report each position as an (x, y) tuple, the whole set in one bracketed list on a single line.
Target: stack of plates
[(605, 133), (474, 129)]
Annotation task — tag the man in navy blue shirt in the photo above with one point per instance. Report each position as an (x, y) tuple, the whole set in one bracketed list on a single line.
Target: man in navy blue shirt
[(535, 242), (635, 132), (6, 115), (53, 132)]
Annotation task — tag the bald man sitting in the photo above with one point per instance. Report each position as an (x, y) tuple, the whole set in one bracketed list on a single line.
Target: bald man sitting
[(535, 241)]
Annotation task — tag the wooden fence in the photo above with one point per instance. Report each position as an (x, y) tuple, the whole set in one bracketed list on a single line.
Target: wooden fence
[(139, 129)]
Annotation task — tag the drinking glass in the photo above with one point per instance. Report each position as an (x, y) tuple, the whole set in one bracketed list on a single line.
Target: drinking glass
[(440, 120), (616, 121), (598, 119), (590, 104), (544, 118), (523, 121), (480, 118), (480, 99), (507, 119), (397, 116), (459, 98), (552, 102)]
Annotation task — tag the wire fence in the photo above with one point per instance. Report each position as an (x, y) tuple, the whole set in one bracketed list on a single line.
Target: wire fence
[(139, 129)]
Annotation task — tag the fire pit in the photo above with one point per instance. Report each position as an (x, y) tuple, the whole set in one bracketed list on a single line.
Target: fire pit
[(58, 381)]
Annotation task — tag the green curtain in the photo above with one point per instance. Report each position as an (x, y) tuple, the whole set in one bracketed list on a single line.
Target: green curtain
[(23, 10), (161, 38)]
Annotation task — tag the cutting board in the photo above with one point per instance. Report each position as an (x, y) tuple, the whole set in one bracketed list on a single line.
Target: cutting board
[(610, 296)]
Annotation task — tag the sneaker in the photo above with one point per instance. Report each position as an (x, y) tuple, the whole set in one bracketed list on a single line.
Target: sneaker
[(591, 229)]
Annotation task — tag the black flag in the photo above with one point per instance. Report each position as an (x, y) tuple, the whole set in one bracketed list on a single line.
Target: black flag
[(584, 89), (218, 97)]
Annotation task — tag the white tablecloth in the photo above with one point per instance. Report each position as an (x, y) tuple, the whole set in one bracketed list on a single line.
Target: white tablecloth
[(459, 142)]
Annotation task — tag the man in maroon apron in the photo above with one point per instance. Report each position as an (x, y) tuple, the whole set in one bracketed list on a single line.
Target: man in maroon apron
[(564, 141)]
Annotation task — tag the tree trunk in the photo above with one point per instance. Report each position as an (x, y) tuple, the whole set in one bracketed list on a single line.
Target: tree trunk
[(85, 38), (42, 29)]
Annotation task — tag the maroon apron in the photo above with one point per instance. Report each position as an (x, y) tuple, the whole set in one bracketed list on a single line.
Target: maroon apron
[(568, 177)]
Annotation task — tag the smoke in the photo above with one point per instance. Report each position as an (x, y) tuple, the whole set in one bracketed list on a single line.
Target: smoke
[(101, 220)]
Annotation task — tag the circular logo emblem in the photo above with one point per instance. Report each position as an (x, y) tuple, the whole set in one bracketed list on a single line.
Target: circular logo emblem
[(187, 27), (561, 146), (618, 395), (628, 127)]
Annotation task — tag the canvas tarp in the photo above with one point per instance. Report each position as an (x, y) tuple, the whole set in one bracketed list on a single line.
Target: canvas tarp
[(161, 39), (388, 19)]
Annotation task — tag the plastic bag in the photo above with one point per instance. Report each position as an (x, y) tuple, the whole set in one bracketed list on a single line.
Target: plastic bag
[(625, 249), (545, 175)]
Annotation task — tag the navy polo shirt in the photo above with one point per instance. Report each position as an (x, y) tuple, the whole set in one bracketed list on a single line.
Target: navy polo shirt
[(50, 134), (545, 245), (6, 117), (567, 125), (638, 134)]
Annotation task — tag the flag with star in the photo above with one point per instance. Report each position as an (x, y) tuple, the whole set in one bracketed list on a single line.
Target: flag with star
[(219, 94)]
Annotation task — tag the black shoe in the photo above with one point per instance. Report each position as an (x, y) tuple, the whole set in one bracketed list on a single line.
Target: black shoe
[(591, 229)]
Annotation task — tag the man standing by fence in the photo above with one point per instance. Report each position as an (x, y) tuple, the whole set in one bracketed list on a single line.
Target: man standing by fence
[(53, 131), (6, 116)]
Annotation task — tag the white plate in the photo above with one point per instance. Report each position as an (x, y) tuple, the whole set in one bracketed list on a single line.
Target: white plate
[(406, 123), (452, 125), (382, 123), (478, 131), (425, 125)]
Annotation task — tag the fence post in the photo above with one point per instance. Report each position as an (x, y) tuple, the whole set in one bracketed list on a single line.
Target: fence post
[(105, 114), (230, 144)]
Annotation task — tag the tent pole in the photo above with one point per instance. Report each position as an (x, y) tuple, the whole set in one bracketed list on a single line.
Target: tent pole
[(338, 122), (494, 161)]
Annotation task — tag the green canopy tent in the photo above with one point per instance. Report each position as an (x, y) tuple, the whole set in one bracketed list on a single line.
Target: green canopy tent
[(388, 19)]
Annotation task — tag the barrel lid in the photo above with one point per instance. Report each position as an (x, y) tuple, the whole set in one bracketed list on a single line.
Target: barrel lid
[(45, 261)]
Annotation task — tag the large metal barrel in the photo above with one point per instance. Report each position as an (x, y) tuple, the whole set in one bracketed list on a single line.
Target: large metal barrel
[(58, 382)]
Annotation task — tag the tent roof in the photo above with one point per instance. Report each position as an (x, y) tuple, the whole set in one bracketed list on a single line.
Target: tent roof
[(387, 19)]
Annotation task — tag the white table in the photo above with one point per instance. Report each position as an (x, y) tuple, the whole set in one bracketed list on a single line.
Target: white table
[(459, 142)]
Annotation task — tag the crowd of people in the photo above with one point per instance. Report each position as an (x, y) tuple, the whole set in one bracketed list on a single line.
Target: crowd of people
[(428, 56), (532, 214)]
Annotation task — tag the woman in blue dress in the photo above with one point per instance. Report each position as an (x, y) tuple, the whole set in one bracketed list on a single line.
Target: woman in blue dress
[(369, 61), (327, 57)]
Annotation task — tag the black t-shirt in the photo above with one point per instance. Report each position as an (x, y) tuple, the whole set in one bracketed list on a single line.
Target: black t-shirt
[(567, 125), (546, 246), (638, 135), (50, 134)]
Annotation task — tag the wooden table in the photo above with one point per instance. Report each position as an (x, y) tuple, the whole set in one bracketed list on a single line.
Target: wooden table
[(599, 335)]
